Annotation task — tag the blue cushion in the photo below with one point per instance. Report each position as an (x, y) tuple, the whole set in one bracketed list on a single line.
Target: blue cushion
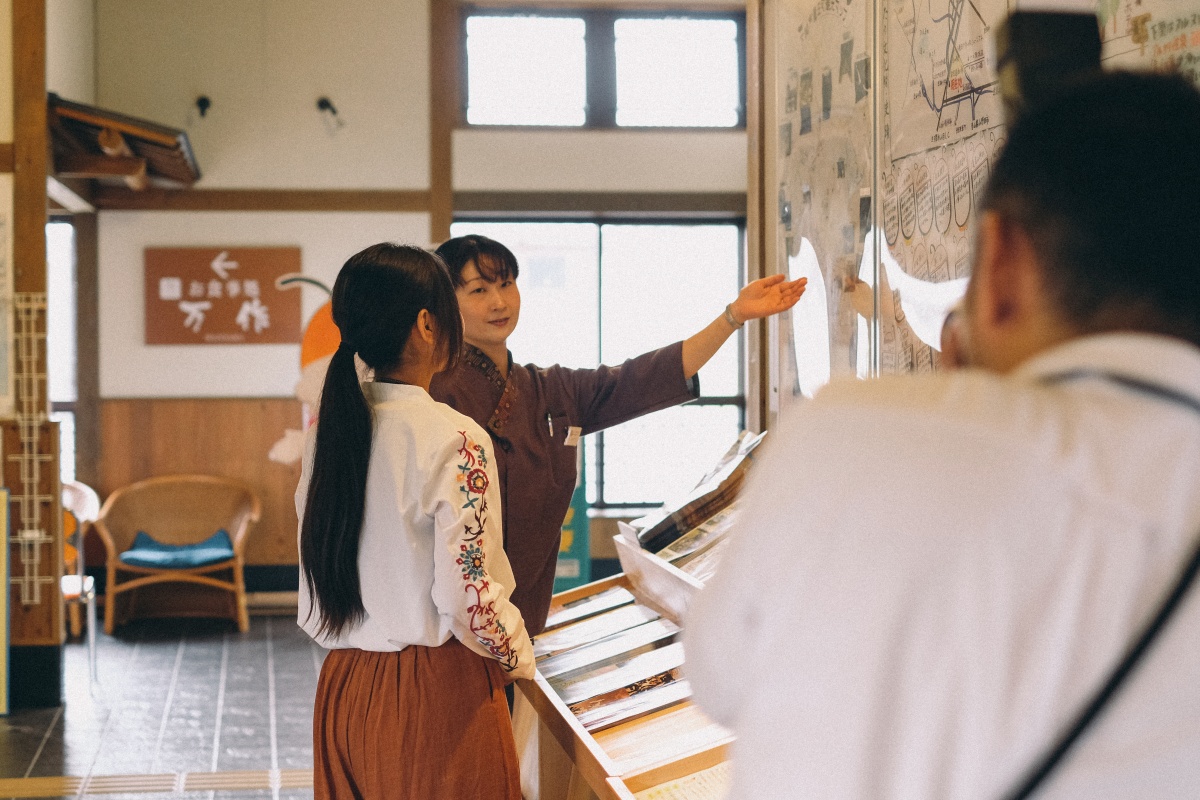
[(151, 554)]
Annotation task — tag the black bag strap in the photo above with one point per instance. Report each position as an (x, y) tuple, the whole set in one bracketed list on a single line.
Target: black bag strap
[(1051, 759), (1133, 656)]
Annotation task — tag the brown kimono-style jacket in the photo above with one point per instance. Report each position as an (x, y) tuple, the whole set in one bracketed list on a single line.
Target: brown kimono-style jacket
[(528, 417)]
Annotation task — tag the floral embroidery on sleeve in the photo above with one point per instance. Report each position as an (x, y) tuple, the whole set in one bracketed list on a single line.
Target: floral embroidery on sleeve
[(484, 620)]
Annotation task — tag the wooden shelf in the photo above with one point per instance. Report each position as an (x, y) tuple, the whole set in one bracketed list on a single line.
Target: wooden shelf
[(634, 756)]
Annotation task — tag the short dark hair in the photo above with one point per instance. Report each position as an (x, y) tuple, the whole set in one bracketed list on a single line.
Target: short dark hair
[(376, 299), (1103, 176), (493, 260)]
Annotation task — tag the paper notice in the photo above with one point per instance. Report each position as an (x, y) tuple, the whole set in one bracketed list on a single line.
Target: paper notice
[(709, 784)]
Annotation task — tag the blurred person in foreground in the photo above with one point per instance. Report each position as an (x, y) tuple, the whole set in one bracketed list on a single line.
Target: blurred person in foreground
[(933, 575)]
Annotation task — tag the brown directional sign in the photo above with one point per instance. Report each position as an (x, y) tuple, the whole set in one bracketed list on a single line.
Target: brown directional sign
[(221, 295)]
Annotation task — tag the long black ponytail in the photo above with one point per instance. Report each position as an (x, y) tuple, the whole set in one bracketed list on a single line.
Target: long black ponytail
[(376, 299)]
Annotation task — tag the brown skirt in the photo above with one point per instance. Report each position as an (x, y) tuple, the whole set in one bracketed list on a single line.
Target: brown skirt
[(424, 722)]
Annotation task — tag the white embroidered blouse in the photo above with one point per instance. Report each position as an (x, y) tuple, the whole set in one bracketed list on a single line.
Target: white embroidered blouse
[(431, 562)]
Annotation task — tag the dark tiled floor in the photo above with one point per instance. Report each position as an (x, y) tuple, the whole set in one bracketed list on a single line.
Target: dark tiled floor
[(176, 696)]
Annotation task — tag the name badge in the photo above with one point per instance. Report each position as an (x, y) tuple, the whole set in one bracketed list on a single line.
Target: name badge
[(573, 434)]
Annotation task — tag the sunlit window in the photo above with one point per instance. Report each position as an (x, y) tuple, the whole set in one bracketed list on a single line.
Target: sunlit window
[(662, 282), (560, 309), (61, 360), (66, 443), (526, 70), (680, 72), (601, 293), (604, 68)]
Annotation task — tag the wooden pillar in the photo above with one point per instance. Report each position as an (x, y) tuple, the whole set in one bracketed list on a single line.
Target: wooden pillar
[(445, 80), (87, 349), (758, 225), (30, 440)]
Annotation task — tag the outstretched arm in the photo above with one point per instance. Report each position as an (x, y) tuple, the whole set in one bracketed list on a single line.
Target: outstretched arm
[(760, 298)]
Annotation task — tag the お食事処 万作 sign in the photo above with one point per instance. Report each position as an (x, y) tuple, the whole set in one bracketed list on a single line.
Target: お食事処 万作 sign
[(220, 295)]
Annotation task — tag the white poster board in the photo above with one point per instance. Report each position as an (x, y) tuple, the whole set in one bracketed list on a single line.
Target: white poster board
[(883, 122)]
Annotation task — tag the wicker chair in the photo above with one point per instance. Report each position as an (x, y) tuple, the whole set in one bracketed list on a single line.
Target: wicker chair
[(177, 510)]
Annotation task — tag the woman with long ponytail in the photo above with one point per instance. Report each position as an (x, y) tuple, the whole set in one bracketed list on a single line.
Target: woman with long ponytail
[(403, 574)]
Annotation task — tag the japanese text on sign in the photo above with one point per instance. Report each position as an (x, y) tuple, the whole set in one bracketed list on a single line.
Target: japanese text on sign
[(220, 295)]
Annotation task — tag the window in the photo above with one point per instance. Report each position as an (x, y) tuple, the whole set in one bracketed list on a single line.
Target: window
[(597, 293), (525, 71), (681, 72), (605, 68), (61, 358)]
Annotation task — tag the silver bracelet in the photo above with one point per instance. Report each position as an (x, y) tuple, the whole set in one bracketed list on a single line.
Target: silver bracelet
[(731, 319)]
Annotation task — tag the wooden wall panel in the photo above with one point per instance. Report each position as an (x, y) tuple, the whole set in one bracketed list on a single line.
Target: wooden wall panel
[(142, 438)]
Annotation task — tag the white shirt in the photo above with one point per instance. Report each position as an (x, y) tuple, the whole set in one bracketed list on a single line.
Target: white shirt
[(932, 575), (431, 561)]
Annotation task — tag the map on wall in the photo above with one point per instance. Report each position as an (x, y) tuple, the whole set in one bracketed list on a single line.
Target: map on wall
[(1160, 35), (925, 146), (940, 130), (824, 181)]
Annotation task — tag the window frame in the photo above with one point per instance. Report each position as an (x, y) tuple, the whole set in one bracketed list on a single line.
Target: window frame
[(72, 407), (600, 110), (739, 401)]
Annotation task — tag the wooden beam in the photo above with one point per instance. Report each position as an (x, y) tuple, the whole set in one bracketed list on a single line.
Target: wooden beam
[(6, 157), (591, 204), (66, 197), (110, 198), (87, 165), (759, 224), (445, 70), (113, 144), (119, 126)]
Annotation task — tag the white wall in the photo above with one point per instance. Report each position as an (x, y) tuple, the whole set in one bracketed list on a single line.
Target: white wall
[(263, 64), (71, 49), (130, 368), (600, 161)]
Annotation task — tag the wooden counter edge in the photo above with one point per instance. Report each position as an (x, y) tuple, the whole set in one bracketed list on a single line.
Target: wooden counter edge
[(593, 763), (587, 590), (678, 767)]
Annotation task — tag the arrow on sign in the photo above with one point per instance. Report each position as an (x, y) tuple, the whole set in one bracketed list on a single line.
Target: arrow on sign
[(221, 265)]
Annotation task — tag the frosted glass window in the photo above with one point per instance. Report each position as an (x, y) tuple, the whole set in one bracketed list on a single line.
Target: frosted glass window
[(677, 72), (560, 308), (663, 455), (524, 70), (663, 283), (593, 293), (60, 312), (66, 444)]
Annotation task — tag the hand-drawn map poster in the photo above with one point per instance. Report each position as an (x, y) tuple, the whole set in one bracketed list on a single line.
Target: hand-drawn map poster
[(887, 120), (213, 295)]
